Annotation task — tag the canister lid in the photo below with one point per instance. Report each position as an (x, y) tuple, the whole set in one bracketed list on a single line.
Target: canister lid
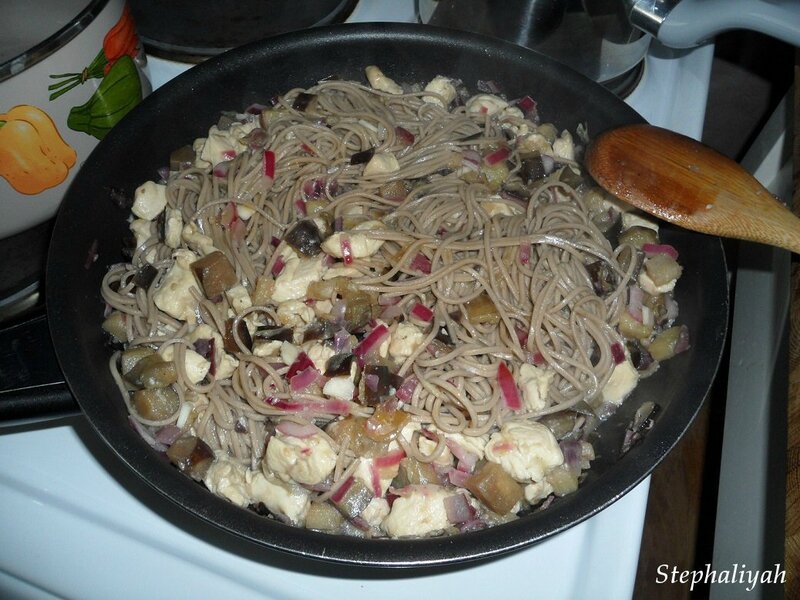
[(31, 31)]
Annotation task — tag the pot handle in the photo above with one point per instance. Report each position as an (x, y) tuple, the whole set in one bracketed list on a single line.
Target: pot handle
[(32, 387), (689, 23)]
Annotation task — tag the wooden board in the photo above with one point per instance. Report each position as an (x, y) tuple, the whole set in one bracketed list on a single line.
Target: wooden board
[(792, 543)]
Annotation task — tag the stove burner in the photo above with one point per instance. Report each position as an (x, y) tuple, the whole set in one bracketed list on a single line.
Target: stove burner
[(22, 271), (193, 30), (623, 85)]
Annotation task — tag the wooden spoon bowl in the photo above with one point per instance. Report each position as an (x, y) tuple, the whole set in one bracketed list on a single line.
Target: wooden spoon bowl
[(684, 182)]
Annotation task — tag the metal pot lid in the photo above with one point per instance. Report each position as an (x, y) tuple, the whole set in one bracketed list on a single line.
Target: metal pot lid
[(32, 31), (192, 30)]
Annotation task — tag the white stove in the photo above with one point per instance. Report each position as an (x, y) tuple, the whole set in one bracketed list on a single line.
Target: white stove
[(77, 524)]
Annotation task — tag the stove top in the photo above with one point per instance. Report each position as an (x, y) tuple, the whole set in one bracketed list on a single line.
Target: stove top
[(86, 527), (86, 504)]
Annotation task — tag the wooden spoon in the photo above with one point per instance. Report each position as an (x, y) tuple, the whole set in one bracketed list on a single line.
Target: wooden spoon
[(680, 180)]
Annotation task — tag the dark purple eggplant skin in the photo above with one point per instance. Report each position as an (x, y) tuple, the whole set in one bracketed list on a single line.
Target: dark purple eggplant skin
[(339, 365), (145, 276), (192, 456), (360, 158), (280, 334), (302, 101), (305, 237), (355, 500)]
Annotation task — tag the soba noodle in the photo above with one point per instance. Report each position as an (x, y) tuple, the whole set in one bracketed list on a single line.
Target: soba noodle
[(497, 259)]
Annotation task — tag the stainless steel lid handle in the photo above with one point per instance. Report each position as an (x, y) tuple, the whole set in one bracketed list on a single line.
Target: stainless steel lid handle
[(689, 23)]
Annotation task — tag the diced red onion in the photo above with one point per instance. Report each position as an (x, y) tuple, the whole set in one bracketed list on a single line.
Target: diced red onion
[(301, 363), (304, 379), (471, 159), (522, 335), (497, 156), (508, 388), (391, 313), (147, 436), (472, 525), (334, 407), (337, 311), (653, 249), (278, 266), (605, 410), (221, 169), (635, 300), (375, 479), (457, 477), (388, 300), (238, 230), (406, 490), (314, 188), (422, 312), (372, 382), (255, 109), (328, 406), (466, 458), (229, 154), (458, 508), (347, 249), (528, 106), (274, 242), (341, 490), (406, 390), (168, 434), (683, 343), (298, 430), (338, 224), (573, 456), (229, 214), (404, 135), (269, 164), (204, 347), (341, 341), (256, 139), (372, 342), (537, 359), (428, 434), (421, 263), (300, 205), (389, 460), (671, 308), (547, 502), (524, 253), (618, 353), (515, 197), (488, 86)]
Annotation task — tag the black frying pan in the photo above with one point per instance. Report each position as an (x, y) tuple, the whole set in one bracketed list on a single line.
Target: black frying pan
[(182, 110)]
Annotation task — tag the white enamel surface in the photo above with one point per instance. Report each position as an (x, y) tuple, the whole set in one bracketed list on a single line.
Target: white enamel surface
[(84, 533)]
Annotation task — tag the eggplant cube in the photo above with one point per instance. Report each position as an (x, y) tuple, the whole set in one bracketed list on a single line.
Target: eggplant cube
[(215, 274)]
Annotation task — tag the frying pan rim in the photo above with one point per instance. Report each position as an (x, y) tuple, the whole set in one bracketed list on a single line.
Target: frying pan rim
[(351, 551)]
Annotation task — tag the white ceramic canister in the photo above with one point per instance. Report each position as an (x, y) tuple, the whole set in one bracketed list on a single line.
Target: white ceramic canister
[(69, 71)]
